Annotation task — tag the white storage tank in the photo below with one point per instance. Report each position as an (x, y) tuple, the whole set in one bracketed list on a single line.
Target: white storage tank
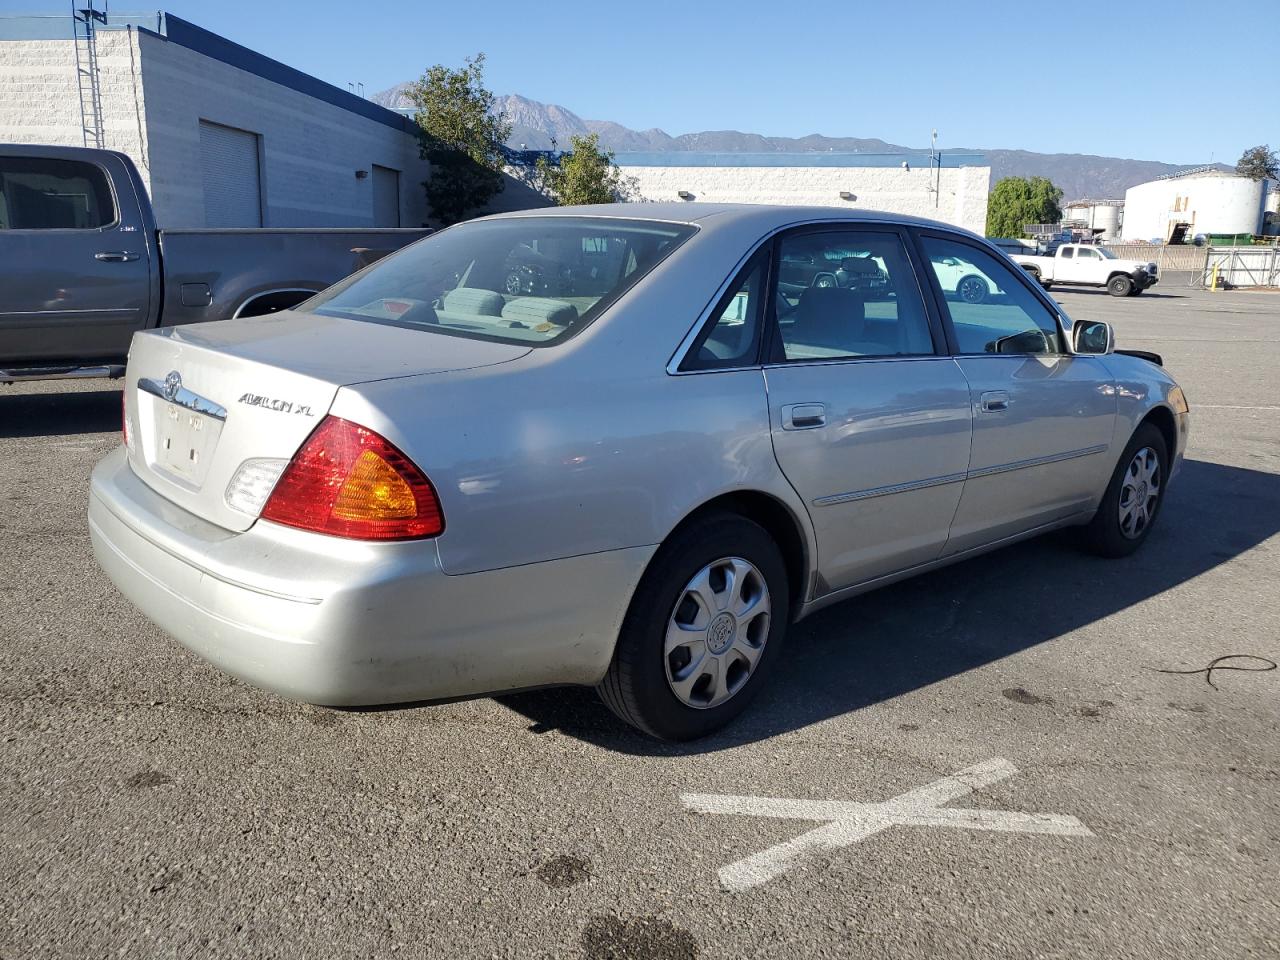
[(1210, 201)]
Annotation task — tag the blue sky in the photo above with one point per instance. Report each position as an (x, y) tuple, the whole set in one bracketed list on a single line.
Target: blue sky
[(1079, 77)]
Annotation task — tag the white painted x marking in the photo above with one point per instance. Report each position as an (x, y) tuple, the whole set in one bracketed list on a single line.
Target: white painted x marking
[(847, 822)]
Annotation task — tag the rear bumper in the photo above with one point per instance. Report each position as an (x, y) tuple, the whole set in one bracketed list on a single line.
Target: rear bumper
[(344, 623)]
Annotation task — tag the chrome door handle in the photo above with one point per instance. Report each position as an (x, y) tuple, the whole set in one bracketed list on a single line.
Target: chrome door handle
[(804, 416), (115, 256), (994, 401)]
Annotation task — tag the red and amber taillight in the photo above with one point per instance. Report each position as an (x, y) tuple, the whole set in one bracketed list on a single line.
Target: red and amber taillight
[(349, 482)]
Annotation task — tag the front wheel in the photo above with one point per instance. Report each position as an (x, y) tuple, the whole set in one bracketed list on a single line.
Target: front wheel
[(702, 631), (1133, 498), (1120, 285)]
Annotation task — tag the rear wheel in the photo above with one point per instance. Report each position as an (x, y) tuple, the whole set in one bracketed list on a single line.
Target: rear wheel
[(1120, 285), (972, 289), (1132, 502), (702, 632)]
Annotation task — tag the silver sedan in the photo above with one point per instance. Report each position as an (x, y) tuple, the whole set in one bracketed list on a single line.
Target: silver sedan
[(605, 446)]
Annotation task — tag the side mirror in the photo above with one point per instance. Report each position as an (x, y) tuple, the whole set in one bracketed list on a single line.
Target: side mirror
[(1094, 337)]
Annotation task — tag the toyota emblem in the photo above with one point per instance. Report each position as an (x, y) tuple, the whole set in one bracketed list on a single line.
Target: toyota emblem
[(172, 384)]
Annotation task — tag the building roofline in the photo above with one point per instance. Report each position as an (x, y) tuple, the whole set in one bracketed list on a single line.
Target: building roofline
[(217, 47)]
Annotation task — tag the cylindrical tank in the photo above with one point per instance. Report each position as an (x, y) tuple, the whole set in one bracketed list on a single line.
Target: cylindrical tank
[(1212, 203), (1107, 216)]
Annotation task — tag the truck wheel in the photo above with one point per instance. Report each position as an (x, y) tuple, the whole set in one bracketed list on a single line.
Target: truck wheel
[(703, 630), (972, 289), (1120, 285)]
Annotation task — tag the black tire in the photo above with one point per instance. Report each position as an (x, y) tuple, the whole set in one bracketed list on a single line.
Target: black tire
[(1104, 535), (1119, 285), (636, 687), (1046, 284), (972, 289)]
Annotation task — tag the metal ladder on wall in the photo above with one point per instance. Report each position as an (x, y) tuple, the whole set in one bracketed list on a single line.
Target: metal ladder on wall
[(84, 21)]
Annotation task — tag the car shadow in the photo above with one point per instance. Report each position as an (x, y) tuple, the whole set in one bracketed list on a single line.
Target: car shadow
[(919, 632), (55, 414)]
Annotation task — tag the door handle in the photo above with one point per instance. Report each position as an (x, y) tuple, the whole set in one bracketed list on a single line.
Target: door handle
[(993, 401), (115, 256), (804, 416)]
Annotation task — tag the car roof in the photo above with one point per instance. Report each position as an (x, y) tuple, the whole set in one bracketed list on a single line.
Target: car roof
[(732, 216)]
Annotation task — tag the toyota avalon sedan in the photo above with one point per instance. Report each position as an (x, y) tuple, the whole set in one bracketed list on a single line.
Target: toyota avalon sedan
[(429, 482)]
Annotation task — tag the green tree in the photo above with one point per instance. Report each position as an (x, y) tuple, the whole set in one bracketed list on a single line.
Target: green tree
[(1017, 201), (462, 138), (1259, 163), (586, 174)]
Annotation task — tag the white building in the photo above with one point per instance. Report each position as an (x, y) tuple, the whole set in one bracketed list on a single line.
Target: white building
[(954, 191), (223, 136), (1209, 201)]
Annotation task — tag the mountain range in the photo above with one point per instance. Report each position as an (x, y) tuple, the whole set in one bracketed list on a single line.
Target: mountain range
[(533, 124)]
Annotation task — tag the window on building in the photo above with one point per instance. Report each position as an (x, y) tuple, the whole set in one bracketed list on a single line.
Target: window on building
[(38, 193), (1007, 318)]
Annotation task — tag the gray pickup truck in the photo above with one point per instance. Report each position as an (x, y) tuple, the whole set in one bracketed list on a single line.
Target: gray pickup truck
[(83, 266)]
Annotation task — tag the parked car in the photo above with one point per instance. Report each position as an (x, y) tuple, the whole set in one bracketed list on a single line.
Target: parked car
[(963, 279), (85, 266), (1086, 265), (856, 270), (412, 487)]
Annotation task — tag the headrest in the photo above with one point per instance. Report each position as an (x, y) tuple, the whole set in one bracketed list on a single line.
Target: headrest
[(474, 300), (534, 311), (830, 315)]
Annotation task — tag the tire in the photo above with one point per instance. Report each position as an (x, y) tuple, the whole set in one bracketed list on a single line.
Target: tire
[(1107, 533), (642, 681), (1120, 285), (972, 289), (1046, 285)]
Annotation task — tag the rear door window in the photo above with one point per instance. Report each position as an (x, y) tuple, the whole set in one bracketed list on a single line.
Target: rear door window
[(848, 293), (39, 193)]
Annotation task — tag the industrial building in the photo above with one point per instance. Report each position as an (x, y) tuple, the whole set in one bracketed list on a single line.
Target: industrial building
[(942, 186), (223, 136), (1207, 201), (1100, 219)]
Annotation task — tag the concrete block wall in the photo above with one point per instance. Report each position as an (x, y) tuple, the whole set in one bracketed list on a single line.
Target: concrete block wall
[(961, 199), (310, 149), (40, 97)]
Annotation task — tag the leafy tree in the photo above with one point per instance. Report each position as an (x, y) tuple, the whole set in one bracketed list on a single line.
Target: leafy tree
[(1259, 163), (461, 137), (1017, 201), (586, 174)]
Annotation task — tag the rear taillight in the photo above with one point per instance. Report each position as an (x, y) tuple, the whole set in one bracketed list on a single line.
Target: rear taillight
[(349, 482)]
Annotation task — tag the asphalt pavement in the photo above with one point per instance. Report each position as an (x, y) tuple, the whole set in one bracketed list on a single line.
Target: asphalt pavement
[(981, 762)]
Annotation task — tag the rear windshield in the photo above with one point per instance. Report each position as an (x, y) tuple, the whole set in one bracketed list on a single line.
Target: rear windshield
[(529, 280)]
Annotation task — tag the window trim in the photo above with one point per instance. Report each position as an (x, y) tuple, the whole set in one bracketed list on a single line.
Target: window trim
[(111, 193), (1022, 277), (774, 353)]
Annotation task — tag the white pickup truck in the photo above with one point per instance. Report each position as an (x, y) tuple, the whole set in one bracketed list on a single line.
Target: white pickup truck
[(1081, 264)]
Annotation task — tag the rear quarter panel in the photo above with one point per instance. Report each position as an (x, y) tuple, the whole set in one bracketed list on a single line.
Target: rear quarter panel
[(533, 464), (238, 265)]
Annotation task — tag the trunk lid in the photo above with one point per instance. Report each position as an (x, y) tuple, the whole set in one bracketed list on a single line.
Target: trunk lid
[(206, 400)]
